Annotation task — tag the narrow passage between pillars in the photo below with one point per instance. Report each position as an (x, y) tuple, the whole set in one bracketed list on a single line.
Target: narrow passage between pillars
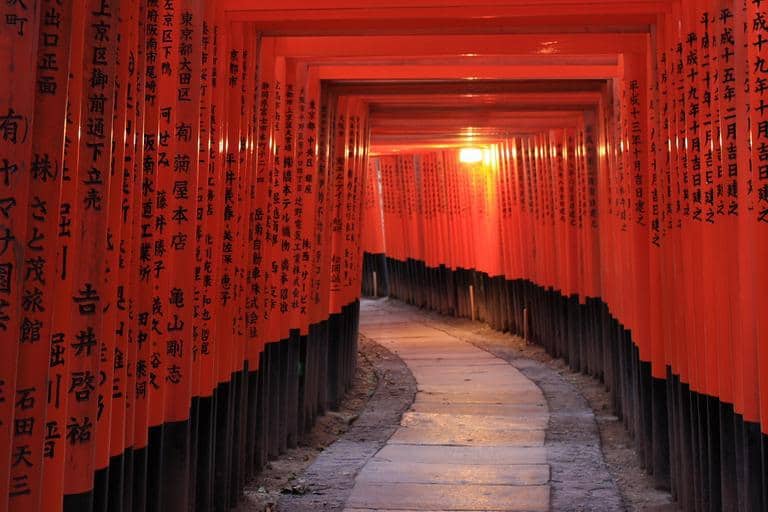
[(474, 436)]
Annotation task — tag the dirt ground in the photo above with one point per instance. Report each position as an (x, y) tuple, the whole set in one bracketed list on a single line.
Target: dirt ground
[(636, 486), (284, 475)]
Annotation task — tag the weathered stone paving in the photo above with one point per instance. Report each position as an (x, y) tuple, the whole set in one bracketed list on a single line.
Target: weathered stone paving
[(484, 426), (474, 438)]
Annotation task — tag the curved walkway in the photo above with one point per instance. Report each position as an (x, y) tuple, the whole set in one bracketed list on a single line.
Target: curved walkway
[(474, 438), (480, 434)]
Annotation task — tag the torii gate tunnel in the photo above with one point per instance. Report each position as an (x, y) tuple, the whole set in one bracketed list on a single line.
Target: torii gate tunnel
[(188, 188)]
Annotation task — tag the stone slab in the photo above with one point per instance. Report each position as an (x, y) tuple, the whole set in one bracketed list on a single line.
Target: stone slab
[(455, 474), (467, 436), (486, 409), (439, 421), (488, 455), (382, 496)]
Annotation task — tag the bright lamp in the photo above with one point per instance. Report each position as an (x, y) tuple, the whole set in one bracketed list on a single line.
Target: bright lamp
[(470, 155)]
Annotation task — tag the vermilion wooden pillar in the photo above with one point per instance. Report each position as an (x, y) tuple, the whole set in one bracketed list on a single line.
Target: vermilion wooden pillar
[(37, 268), (19, 43)]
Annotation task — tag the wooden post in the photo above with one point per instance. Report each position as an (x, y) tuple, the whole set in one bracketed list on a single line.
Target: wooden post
[(472, 301), (525, 325)]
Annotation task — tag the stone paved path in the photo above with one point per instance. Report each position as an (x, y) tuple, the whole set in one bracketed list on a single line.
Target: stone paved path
[(474, 437)]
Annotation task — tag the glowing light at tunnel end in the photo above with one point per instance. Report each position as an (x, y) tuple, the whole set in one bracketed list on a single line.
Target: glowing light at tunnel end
[(471, 155)]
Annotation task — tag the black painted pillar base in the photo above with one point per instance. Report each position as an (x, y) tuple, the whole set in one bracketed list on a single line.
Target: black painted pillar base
[(205, 453), (176, 441), (154, 469)]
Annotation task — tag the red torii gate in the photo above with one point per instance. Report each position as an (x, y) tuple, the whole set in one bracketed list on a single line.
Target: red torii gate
[(180, 221)]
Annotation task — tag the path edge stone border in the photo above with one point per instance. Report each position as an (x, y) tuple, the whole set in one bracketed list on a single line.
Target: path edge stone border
[(330, 478)]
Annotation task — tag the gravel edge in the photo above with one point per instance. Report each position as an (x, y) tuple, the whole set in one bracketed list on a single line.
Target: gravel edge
[(331, 477)]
